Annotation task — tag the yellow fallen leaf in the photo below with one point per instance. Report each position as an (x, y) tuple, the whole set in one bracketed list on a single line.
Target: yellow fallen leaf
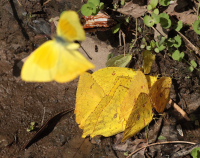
[(139, 85), (88, 88), (151, 80), (106, 77), (159, 93), (106, 101), (105, 119), (140, 116), (148, 61)]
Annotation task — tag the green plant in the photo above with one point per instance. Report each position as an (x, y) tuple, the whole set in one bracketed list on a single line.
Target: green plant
[(92, 7), (32, 127), (164, 20), (152, 5), (177, 55), (179, 26), (196, 26), (149, 21), (116, 28), (119, 61), (196, 152), (164, 2), (193, 65)]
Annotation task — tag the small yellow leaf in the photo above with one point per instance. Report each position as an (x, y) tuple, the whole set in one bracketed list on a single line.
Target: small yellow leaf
[(148, 59), (140, 116), (139, 85), (159, 93), (151, 80)]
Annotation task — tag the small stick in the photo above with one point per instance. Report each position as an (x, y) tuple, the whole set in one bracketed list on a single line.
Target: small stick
[(43, 116), (47, 2), (160, 143), (181, 111), (190, 43), (120, 39), (19, 2), (124, 40)]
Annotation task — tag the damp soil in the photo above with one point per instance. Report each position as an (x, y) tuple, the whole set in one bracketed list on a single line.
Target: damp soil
[(22, 103)]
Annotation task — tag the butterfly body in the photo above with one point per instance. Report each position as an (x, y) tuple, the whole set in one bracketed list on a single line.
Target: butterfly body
[(58, 59)]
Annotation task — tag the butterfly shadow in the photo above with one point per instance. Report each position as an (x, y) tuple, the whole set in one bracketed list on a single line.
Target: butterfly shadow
[(47, 128)]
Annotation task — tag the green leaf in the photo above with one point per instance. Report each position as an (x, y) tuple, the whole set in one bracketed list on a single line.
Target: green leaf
[(178, 56), (160, 44), (116, 28), (196, 26), (101, 5), (149, 48), (177, 42), (153, 44), (164, 2), (179, 26), (161, 40), (127, 19), (119, 61), (156, 18), (122, 2), (193, 63), (161, 47), (153, 4), (149, 21), (139, 29), (156, 11), (196, 152), (149, 7), (142, 46), (165, 20), (156, 50), (32, 127), (87, 9), (162, 138), (94, 7), (191, 68), (95, 2)]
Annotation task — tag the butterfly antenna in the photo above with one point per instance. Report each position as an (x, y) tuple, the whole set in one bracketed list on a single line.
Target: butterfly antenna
[(85, 52)]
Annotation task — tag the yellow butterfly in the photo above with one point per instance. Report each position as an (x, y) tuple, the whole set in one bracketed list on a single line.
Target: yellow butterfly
[(58, 59)]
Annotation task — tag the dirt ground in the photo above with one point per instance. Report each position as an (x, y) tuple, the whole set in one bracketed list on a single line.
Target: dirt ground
[(22, 103)]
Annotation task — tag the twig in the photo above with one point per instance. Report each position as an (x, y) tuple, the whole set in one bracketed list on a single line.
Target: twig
[(181, 111), (19, 2), (124, 40), (120, 38), (160, 143), (47, 2), (43, 116), (121, 33), (185, 151), (192, 46)]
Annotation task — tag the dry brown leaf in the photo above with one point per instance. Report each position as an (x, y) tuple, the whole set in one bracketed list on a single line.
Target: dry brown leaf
[(187, 16), (133, 9)]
